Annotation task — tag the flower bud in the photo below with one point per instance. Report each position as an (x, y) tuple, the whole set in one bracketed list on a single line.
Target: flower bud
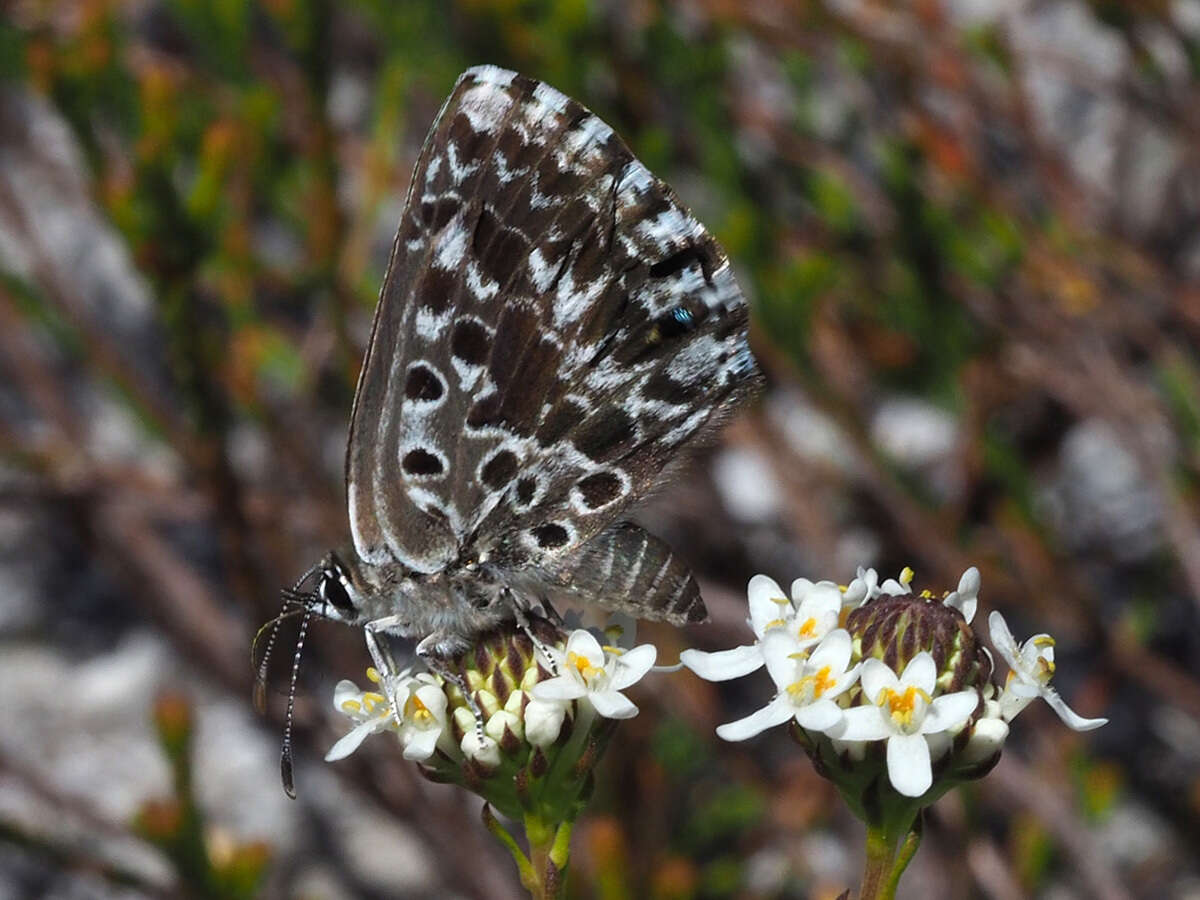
[(895, 629)]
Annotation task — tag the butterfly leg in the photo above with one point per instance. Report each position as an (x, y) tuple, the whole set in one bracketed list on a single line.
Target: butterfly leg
[(428, 652), (539, 646), (381, 657)]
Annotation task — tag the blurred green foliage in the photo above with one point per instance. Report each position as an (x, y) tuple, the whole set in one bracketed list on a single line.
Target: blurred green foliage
[(209, 864), (886, 247)]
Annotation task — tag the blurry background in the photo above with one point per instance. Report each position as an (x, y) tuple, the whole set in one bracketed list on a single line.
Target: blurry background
[(970, 232)]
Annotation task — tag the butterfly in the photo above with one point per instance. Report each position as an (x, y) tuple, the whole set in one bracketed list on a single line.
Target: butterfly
[(553, 329)]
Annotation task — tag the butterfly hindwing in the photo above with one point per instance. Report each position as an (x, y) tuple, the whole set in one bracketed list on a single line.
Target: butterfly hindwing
[(627, 569), (553, 328)]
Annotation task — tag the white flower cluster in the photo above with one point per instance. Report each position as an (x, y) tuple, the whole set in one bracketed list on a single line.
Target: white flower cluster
[(415, 706), (811, 659)]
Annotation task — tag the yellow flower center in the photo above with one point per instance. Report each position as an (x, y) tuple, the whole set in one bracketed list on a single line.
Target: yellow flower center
[(372, 700), (902, 706), (583, 666), (812, 687), (808, 628), (417, 712)]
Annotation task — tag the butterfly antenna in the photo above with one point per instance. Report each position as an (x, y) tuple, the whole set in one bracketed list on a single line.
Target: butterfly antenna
[(285, 753), (260, 677)]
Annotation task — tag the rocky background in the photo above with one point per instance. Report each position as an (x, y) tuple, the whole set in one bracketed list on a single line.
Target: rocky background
[(970, 233)]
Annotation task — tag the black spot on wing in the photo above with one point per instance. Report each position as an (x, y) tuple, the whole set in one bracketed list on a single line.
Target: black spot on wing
[(499, 470), (470, 342), (599, 489), (435, 288), (605, 434), (423, 383), (526, 489), (561, 419), (661, 386), (674, 264), (436, 213), (499, 249), (551, 536), (421, 462)]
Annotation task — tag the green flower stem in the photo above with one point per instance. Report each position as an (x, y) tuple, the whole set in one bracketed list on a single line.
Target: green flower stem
[(889, 851), (549, 852), (543, 871), (524, 867)]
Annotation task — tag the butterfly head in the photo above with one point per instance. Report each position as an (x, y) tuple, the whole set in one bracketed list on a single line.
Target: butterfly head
[(335, 591)]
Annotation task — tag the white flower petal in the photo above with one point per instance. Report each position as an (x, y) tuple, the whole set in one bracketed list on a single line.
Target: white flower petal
[(561, 687), (434, 699), (543, 721), (419, 743), (632, 665), (723, 664), (483, 750), (1070, 718), (345, 690), (865, 723), (967, 595), (970, 582), (856, 594), (1011, 704), (909, 769), (1002, 639), (877, 675), (1021, 687), (779, 650), (821, 598), (612, 705), (870, 581), (921, 672), (820, 715), (349, 742), (774, 713), (833, 651), (845, 681), (768, 603), (964, 604), (949, 711), (583, 643), (800, 589), (987, 739)]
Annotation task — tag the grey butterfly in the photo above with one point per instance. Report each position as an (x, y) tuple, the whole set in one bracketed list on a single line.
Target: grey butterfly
[(553, 328)]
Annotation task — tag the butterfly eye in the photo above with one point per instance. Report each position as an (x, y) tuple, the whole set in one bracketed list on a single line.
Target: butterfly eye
[(333, 591)]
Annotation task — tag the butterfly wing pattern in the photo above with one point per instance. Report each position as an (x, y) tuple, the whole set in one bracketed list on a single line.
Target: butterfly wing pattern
[(553, 328)]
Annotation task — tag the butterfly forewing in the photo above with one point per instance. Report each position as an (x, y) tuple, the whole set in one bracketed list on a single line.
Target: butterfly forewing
[(554, 326)]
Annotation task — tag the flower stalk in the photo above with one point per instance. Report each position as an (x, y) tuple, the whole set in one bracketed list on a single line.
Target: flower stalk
[(889, 851)]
